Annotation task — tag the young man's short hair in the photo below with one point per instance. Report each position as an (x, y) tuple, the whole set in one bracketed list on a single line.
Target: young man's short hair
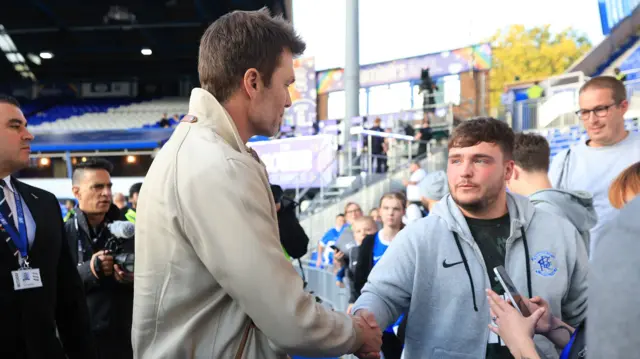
[(531, 152), (618, 91), (483, 129), (91, 164), (364, 219), (135, 188)]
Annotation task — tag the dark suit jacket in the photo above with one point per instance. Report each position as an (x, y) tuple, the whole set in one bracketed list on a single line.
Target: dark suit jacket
[(30, 317)]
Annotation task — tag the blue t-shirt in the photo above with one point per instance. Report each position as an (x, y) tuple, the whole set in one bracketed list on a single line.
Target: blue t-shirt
[(330, 238), (379, 247)]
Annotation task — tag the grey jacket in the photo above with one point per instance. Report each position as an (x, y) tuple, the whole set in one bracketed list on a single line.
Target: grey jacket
[(442, 285), (576, 206)]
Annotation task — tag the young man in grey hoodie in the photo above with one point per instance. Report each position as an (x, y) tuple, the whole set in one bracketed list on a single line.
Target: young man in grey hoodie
[(531, 155), (438, 268)]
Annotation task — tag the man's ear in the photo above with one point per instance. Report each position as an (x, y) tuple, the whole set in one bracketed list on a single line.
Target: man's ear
[(509, 170), (516, 172), (252, 82), (76, 192)]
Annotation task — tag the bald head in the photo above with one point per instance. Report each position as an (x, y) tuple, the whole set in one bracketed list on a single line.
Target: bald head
[(119, 200)]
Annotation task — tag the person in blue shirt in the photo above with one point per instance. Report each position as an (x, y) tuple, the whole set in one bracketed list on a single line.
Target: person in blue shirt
[(373, 247), (325, 257)]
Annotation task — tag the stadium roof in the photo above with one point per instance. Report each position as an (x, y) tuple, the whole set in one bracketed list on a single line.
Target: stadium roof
[(103, 40)]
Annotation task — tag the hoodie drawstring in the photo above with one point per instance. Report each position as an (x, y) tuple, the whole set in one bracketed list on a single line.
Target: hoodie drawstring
[(466, 267), (526, 260), (468, 270)]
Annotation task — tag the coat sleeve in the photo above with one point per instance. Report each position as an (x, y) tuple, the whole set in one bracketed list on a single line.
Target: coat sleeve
[(230, 221), (387, 291), (72, 314)]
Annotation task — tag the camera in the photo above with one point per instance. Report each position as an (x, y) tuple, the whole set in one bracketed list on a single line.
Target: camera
[(120, 245)]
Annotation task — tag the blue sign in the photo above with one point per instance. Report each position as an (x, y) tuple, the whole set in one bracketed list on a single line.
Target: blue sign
[(114, 140)]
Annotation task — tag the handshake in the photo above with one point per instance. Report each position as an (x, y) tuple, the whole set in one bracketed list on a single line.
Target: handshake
[(369, 335)]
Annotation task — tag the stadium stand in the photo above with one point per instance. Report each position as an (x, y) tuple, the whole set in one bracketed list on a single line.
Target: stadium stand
[(105, 117)]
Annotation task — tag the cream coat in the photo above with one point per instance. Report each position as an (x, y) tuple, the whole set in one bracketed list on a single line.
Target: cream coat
[(208, 256)]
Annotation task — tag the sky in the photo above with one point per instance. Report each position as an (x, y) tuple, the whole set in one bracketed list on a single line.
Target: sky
[(394, 29)]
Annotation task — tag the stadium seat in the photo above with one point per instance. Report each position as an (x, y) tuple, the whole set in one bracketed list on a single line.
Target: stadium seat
[(94, 118)]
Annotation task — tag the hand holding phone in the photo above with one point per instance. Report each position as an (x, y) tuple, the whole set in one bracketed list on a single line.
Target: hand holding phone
[(510, 291)]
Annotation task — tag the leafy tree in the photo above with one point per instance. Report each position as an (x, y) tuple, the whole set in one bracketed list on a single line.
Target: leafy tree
[(529, 54)]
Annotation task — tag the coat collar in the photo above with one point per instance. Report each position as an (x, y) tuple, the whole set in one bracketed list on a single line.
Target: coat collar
[(210, 113)]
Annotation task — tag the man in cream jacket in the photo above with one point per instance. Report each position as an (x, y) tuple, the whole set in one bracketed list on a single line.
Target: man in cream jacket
[(211, 279)]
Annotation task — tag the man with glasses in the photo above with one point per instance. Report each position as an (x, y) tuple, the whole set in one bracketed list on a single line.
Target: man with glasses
[(591, 165)]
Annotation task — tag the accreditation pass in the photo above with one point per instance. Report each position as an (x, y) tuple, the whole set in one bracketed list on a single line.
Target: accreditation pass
[(26, 278)]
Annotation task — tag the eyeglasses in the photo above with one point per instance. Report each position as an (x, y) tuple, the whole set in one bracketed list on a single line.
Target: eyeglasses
[(599, 111)]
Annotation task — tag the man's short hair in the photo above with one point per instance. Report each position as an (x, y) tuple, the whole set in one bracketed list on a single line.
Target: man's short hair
[(239, 41), (483, 129), (135, 188), (340, 215), (618, 91), (9, 100), (92, 164), (531, 152)]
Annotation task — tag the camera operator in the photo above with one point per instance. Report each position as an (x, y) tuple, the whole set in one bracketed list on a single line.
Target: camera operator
[(91, 233), (294, 240)]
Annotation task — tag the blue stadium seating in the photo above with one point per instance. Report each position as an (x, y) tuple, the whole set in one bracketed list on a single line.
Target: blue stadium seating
[(621, 50), (632, 62), (73, 108), (561, 139)]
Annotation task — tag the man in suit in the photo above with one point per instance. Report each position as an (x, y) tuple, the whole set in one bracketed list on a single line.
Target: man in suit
[(42, 305)]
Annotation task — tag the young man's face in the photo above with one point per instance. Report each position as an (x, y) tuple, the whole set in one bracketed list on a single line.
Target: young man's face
[(477, 175), (362, 229)]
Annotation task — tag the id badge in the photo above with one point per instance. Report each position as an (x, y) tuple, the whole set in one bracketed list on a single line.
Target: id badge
[(26, 278)]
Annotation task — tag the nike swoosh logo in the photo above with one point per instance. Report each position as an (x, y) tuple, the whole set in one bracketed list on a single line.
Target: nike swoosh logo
[(448, 265)]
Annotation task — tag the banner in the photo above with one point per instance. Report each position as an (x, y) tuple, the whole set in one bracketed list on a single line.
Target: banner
[(107, 89), (302, 112), (298, 161), (476, 57)]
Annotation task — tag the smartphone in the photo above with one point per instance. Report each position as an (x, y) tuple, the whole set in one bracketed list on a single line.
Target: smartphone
[(333, 246), (510, 290)]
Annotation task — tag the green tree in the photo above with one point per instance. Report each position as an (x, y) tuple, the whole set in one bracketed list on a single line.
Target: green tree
[(530, 54)]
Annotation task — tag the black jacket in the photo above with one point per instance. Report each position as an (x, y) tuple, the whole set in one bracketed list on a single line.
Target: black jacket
[(29, 317), (292, 236), (110, 303), (364, 264)]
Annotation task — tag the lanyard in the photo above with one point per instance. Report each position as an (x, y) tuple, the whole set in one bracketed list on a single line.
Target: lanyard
[(19, 243)]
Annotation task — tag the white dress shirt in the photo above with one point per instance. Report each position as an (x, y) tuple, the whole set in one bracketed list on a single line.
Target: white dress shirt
[(9, 192)]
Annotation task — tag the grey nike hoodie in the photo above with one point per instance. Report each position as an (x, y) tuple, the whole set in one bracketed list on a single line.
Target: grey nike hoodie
[(576, 206), (440, 281)]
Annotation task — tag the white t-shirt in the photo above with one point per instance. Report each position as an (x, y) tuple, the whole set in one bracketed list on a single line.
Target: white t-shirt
[(413, 190)]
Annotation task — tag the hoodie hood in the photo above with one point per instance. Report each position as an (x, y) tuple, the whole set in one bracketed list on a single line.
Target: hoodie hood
[(576, 206), (520, 212)]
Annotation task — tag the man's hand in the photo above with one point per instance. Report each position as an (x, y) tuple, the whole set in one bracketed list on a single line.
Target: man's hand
[(544, 324), (337, 255), (349, 308), (370, 334), (122, 276), (106, 264), (515, 330)]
